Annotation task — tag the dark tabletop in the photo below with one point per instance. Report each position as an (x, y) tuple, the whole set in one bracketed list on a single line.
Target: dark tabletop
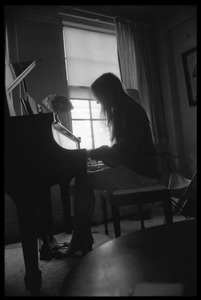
[(157, 261)]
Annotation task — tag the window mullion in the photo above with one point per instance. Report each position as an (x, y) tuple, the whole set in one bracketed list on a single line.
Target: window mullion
[(91, 124)]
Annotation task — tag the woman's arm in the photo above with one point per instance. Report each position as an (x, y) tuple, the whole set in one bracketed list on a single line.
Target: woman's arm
[(110, 156)]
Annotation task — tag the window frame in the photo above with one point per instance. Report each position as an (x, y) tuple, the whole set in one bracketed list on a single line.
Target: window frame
[(90, 25), (91, 119)]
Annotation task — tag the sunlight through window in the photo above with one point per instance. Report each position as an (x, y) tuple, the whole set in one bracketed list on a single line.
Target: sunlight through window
[(88, 54)]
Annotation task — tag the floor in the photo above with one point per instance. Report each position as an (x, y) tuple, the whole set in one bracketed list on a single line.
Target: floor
[(55, 270)]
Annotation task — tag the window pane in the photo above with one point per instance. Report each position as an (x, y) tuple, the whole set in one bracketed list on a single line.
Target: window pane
[(82, 129), (96, 110), (101, 134), (80, 110)]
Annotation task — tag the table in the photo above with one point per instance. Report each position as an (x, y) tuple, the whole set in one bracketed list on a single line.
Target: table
[(157, 261)]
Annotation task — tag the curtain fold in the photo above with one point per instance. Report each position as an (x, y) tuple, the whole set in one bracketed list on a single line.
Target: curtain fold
[(138, 68)]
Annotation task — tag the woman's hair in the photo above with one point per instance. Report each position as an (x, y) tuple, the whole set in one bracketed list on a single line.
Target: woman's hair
[(109, 91)]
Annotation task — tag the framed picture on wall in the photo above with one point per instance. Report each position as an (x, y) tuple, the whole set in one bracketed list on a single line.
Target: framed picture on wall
[(189, 59)]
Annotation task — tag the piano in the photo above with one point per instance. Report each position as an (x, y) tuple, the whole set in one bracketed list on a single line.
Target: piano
[(34, 161)]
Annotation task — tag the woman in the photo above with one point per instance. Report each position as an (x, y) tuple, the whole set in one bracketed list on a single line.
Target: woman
[(130, 162)]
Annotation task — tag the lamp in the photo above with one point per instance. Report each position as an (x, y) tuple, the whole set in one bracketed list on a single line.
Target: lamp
[(57, 104)]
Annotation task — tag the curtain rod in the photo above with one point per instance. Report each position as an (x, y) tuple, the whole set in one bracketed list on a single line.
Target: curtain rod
[(93, 13)]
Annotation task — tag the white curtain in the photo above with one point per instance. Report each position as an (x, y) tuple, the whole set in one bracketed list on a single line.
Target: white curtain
[(138, 68)]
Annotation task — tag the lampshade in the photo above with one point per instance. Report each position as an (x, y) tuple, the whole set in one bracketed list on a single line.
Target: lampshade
[(57, 103)]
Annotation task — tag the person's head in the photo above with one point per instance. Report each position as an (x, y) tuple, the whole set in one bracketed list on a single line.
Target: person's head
[(108, 91)]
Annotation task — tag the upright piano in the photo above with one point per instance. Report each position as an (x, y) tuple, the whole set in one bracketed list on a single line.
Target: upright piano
[(34, 161)]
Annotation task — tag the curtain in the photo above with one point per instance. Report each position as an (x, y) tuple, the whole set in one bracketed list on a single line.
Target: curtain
[(138, 68)]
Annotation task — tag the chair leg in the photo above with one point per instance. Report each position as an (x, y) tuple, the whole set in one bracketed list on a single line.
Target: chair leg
[(116, 219), (104, 207), (167, 202)]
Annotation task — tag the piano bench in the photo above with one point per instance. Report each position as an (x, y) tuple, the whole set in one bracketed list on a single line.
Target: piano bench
[(135, 196)]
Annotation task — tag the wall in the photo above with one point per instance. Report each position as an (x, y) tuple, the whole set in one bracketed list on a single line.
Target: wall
[(172, 39), (36, 34), (184, 38)]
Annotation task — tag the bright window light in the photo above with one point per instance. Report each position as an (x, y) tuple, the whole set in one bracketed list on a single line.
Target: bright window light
[(88, 54)]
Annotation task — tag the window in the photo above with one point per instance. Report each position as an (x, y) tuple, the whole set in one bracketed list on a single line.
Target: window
[(88, 54)]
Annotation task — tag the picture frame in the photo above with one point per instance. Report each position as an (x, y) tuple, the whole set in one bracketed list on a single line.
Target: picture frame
[(189, 59)]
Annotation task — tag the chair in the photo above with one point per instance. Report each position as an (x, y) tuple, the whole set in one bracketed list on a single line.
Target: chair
[(187, 203), (135, 196)]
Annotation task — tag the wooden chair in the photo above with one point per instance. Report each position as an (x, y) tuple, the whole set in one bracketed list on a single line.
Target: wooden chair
[(135, 196)]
